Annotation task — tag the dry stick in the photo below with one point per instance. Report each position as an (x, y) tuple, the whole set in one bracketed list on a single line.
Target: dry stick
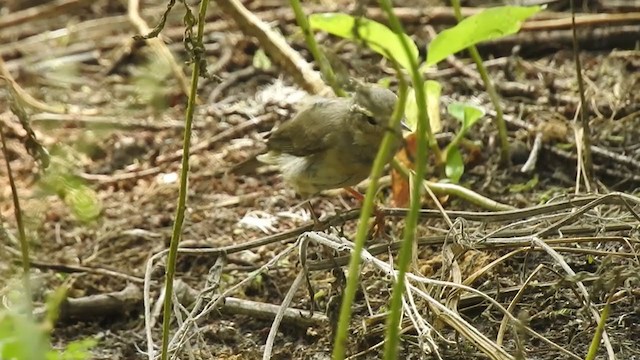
[(158, 46), (584, 208), (182, 333), (581, 173), (421, 325), (64, 268), (514, 302), (101, 305), (46, 11), (431, 15), (138, 172), (398, 212), (583, 290), (261, 310), (523, 242), (619, 158), (271, 338), (583, 110), (223, 136), (113, 122), (276, 47), (24, 96), (453, 319), (589, 20), (460, 325), (17, 211), (431, 213)]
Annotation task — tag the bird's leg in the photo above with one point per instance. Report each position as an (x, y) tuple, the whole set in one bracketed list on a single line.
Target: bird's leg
[(355, 193), (316, 221), (378, 225)]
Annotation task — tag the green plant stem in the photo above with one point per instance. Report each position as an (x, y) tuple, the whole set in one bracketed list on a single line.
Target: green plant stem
[(586, 129), (491, 90), (454, 142), (24, 244), (321, 60), (597, 337), (182, 193), (425, 139), (363, 228)]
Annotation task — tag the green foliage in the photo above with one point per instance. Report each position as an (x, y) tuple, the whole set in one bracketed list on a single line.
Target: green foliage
[(467, 115), (376, 36), (432, 91), (24, 338), (492, 23), (60, 180), (76, 350), (149, 82), (454, 166)]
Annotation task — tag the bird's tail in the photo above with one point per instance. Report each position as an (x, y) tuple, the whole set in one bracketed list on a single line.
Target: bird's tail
[(246, 167)]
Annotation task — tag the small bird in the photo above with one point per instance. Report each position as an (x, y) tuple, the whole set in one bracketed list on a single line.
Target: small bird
[(333, 143)]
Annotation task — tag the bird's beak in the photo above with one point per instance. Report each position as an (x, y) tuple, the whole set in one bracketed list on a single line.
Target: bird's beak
[(403, 124)]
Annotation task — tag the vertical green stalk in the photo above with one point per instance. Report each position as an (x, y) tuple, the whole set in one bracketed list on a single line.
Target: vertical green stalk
[(321, 60), (182, 193), (491, 90), (24, 244), (363, 228), (597, 336), (404, 257)]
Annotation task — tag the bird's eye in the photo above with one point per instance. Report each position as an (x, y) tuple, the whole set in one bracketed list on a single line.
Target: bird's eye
[(371, 120)]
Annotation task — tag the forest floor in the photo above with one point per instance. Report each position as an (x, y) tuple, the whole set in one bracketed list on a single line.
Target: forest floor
[(107, 201)]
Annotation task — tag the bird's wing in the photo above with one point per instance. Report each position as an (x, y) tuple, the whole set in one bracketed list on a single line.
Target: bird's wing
[(312, 130)]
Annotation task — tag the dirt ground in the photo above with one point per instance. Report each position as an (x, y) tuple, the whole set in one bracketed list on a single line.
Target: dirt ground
[(107, 202)]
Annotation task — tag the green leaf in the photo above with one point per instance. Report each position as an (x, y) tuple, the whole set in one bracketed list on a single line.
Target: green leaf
[(411, 110), (492, 23), (467, 114), (432, 91), (454, 167), (375, 35), (78, 350)]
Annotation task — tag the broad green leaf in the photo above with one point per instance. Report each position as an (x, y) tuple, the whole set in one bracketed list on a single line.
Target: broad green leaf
[(492, 23), (454, 167), (467, 114), (432, 91), (375, 35)]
